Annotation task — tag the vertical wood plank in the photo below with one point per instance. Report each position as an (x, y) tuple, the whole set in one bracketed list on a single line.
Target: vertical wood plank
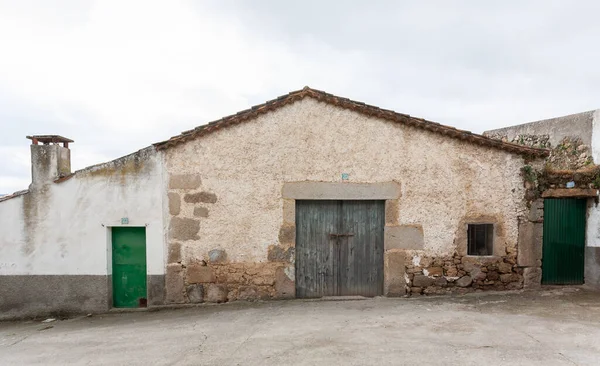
[(563, 241), (315, 220)]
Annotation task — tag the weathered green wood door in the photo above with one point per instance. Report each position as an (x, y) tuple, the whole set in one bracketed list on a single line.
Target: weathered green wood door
[(339, 248), (564, 241), (129, 266)]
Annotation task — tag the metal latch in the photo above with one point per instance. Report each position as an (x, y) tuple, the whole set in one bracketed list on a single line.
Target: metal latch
[(334, 236)]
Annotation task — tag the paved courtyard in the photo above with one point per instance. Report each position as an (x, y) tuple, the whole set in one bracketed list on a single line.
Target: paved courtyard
[(553, 327)]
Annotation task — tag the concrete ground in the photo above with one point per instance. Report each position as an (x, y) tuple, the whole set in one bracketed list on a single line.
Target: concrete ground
[(553, 327)]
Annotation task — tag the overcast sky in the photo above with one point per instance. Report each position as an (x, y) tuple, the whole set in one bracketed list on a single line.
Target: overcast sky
[(116, 76)]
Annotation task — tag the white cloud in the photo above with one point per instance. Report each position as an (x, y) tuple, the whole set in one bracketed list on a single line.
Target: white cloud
[(118, 75)]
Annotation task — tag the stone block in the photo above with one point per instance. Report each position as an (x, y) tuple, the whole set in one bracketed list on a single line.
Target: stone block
[(478, 261), (197, 273), (216, 293), (475, 271), (200, 211), (184, 229), (284, 285), (217, 256), (570, 193), (201, 197), (532, 278), (394, 271), (403, 237), (289, 211), (341, 191), (287, 234), (392, 212), (451, 271), (492, 276), (433, 271), (441, 282), (504, 267), (416, 290), (277, 253), (195, 293), (592, 265), (464, 281), (263, 280), (252, 293), (247, 293), (509, 277), (423, 281), (174, 253), (536, 211), (184, 181), (174, 284), (530, 243), (174, 203), (425, 262)]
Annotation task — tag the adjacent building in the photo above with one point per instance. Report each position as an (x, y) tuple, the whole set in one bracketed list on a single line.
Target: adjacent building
[(569, 216)]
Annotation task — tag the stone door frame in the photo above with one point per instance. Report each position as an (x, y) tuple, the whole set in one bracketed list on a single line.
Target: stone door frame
[(395, 235)]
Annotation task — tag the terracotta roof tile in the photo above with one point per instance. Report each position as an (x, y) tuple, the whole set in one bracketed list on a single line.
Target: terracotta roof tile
[(358, 107), (13, 195)]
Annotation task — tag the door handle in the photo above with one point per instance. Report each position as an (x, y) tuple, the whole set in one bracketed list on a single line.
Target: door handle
[(334, 236)]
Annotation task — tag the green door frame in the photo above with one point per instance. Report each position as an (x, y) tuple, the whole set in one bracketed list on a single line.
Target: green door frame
[(129, 267)]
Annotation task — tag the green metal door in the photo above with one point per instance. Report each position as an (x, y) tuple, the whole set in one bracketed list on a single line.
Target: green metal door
[(564, 241), (129, 267), (339, 248)]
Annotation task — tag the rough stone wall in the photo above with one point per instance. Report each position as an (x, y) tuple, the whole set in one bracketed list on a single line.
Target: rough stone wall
[(225, 194), (578, 125), (569, 153), (212, 277), (539, 141), (461, 274)]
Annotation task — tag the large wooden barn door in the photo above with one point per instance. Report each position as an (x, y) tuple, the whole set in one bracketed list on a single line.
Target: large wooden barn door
[(564, 241), (339, 248)]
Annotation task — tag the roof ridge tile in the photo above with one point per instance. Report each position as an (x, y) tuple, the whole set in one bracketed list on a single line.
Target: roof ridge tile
[(359, 107)]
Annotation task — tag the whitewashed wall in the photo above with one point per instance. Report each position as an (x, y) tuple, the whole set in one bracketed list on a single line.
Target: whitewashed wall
[(64, 228), (593, 223)]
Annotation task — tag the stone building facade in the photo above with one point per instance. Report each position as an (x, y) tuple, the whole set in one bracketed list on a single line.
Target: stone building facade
[(234, 185), (222, 223)]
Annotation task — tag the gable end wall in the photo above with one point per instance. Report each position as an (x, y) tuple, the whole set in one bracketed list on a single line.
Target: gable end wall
[(227, 196)]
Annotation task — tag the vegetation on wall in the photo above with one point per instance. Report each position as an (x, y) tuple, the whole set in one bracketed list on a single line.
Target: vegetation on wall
[(539, 180), (570, 164)]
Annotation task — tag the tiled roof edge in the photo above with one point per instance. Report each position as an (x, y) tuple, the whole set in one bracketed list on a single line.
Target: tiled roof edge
[(14, 195), (359, 107)]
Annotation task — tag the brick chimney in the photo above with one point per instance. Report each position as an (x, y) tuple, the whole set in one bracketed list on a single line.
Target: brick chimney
[(49, 160)]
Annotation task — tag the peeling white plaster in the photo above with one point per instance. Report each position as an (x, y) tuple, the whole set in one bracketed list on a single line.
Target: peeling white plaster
[(416, 260), (290, 272)]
